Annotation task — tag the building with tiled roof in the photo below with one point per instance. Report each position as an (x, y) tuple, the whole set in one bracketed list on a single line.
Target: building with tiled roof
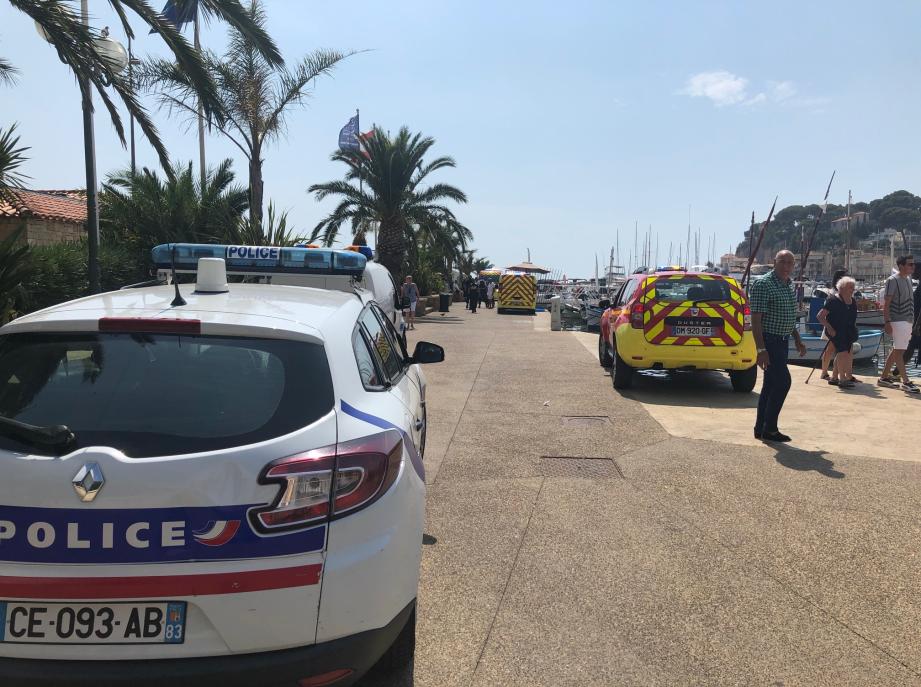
[(48, 216)]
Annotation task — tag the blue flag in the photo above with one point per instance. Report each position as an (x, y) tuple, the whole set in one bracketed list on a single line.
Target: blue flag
[(184, 13), (348, 135)]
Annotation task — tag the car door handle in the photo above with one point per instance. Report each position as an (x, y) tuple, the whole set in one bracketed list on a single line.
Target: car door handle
[(419, 425)]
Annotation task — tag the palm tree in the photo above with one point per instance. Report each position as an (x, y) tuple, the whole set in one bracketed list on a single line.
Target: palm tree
[(14, 269), (393, 170), (273, 232), (253, 93), (443, 245), (11, 157), (141, 210), (75, 46)]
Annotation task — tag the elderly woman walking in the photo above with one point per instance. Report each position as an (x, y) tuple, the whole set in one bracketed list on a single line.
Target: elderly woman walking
[(839, 316)]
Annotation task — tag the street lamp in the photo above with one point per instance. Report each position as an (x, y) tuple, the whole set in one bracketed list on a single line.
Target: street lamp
[(116, 57)]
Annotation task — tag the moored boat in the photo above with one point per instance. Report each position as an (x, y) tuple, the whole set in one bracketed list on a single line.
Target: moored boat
[(869, 340)]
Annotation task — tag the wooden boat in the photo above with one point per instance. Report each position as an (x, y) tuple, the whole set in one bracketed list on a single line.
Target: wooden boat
[(869, 340)]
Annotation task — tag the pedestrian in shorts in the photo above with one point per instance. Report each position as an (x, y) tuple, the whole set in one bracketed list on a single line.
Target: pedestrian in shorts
[(899, 317)]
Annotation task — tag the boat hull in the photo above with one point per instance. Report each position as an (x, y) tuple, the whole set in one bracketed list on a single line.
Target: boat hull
[(869, 341)]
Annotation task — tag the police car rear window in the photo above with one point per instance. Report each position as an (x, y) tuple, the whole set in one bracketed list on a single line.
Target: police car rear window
[(157, 394), (691, 289)]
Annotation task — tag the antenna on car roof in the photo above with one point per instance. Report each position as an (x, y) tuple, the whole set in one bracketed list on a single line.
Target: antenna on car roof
[(178, 300)]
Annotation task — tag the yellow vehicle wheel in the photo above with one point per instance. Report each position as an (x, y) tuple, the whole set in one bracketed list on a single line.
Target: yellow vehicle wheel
[(622, 374), (743, 381)]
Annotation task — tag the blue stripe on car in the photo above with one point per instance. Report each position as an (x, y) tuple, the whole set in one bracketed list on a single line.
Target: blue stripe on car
[(414, 456)]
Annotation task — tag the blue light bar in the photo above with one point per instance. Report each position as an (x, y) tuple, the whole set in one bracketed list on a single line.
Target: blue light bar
[(261, 259)]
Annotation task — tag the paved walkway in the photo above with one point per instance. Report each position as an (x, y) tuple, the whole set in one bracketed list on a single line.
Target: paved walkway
[(577, 542)]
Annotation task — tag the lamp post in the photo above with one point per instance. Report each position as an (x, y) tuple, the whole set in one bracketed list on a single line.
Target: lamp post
[(116, 56)]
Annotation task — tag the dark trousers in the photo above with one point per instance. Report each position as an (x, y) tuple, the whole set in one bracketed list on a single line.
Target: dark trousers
[(776, 383)]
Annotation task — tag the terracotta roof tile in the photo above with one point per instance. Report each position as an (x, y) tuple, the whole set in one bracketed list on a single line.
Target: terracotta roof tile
[(55, 205)]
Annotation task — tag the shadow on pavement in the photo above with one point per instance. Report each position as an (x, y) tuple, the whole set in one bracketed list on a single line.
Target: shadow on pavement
[(798, 459), (675, 388)]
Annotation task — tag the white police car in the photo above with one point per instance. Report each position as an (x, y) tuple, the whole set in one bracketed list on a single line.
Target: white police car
[(220, 488)]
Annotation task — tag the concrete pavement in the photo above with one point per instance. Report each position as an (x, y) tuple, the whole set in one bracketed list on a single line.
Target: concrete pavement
[(579, 540)]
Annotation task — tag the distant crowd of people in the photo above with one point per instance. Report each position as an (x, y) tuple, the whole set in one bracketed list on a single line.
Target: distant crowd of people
[(773, 307), (479, 291)]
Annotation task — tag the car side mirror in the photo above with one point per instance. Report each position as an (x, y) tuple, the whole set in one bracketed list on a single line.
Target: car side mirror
[(604, 303), (426, 352)]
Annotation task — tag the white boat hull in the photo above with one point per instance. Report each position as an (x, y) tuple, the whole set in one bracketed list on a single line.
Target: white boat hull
[(869, 341)]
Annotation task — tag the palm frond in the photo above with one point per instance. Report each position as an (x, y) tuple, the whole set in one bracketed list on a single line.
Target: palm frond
[(8, 72), (11, 157)]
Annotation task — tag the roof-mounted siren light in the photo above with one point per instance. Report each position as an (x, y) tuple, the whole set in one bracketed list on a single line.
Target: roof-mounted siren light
[(212, 276), (261, 259)]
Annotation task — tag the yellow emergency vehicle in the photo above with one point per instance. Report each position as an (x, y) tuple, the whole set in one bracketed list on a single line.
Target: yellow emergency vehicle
[(517, 293)]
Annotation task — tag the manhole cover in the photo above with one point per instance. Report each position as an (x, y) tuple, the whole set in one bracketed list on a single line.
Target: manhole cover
[(587, 468), (589, 421)]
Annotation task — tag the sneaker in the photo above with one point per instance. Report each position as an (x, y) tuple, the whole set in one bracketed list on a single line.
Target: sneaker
[(833, 382), (887, 382), (854, 380), (824, 375), (910, 387)]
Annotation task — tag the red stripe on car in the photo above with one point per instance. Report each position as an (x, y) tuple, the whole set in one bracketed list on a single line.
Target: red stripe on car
[(159, 586)]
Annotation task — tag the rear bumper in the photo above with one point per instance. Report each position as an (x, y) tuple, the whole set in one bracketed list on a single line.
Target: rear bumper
[(639, 353), (267, 669)]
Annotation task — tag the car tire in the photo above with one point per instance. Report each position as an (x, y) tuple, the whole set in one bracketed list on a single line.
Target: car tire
[(604, 355), (743, 381), (622, 375), (397, 661)]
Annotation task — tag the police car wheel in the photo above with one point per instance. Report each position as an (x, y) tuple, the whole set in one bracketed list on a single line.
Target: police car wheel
[(743, 381), (604, 355), (399, 657)]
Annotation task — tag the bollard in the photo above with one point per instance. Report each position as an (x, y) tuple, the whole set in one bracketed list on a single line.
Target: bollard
[(555, 314)]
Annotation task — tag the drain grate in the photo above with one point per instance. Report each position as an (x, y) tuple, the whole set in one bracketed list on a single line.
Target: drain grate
[(586, 421), (586, 468)]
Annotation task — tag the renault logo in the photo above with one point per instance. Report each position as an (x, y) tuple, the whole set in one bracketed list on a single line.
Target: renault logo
[(88, 482)]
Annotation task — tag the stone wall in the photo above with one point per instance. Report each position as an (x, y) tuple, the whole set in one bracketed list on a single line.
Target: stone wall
[(42, 232)]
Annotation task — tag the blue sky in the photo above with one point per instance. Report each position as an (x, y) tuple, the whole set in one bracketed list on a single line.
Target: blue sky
[(569, 120)]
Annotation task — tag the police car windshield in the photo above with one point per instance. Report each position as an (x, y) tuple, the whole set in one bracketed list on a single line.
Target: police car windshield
[(157, 394), (691, 288)]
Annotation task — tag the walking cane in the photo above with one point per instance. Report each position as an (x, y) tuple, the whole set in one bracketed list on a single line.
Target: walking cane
[(818, 363)]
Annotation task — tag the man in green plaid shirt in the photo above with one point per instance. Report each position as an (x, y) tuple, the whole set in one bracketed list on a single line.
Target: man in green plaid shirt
[(773, 307)]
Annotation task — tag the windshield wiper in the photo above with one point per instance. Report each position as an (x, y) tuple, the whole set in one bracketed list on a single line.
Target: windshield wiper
[(52, 436)]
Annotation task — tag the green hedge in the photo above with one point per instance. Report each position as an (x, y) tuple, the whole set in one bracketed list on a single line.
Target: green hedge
[(59, 273)]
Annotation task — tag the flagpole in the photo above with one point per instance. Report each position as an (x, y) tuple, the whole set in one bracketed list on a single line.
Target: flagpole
[(201, 113), (361, 178)]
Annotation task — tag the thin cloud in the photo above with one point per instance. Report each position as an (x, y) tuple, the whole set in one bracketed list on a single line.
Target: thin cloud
[(722, 88), (781, 90)]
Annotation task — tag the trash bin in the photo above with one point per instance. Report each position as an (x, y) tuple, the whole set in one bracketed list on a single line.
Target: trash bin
[(444, 302)]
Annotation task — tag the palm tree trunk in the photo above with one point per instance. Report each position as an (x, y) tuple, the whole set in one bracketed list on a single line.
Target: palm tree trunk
[(255, 187), (391, 247)]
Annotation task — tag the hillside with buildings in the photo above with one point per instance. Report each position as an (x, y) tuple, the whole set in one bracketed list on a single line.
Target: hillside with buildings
[(876, 230)]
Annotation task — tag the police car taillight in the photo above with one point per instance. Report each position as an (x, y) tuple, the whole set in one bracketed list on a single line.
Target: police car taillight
[(636, 315), (330, 482), (747, 318)]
